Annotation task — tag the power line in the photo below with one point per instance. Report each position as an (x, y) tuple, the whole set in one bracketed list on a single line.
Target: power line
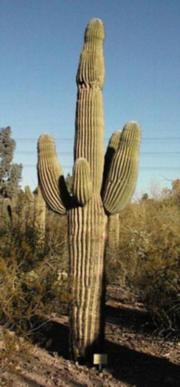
[(106, 138), (142, 167), (29, 152)]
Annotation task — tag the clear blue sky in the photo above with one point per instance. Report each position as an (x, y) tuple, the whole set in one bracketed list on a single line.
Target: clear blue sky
[(40, 43)]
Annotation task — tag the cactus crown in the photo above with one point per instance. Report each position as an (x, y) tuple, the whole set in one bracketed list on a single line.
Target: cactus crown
[(94, 30), (91, 65)]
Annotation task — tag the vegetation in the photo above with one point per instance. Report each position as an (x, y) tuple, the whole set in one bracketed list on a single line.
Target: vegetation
[(10, 173), (10, 176), (31, 283), (147, 258), (146, 262)]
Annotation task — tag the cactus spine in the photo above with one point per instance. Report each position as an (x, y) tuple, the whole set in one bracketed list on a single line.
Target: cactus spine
[(95, 196)]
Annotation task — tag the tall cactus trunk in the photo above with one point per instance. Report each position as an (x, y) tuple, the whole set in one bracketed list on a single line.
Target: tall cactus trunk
[(87, 243), (87, 223)]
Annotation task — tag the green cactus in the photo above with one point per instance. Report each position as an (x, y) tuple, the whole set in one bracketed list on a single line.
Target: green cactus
[(113, 226), (96, 194)]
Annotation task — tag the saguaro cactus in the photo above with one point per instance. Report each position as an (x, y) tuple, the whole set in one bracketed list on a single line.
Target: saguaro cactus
[(96, 194)]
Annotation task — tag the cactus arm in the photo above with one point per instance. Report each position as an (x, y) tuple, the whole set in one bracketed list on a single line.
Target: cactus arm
[(114, 141), (113, 223), (82, 183), (121, 180), (111, 149), (50, 174)]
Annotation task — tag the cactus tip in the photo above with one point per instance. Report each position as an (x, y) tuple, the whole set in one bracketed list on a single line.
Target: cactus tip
[(132, 130), (95, 29)]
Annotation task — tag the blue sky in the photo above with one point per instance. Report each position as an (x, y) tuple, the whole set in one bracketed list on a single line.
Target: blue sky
[(40, 43)]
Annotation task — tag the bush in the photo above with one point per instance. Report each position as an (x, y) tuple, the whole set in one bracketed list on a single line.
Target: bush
[(147, 259), (30, 284), (161, 294)]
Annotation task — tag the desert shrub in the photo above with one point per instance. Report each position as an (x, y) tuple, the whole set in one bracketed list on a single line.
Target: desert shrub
[(160, 286), (5, 213), (56, 238), (147, 260), (30, 280), (134, 239)]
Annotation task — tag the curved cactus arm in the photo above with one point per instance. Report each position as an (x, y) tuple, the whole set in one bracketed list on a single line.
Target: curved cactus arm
[(114, 140), (122, 177), (82, 183), (50, 175), (111, 149)]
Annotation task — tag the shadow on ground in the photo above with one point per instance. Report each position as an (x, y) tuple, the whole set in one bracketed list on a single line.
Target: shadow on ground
[(127, 365), (52, 336), (138, 320), (140, 369)]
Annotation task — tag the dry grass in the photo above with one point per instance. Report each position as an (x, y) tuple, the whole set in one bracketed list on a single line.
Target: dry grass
[(147, 260)]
